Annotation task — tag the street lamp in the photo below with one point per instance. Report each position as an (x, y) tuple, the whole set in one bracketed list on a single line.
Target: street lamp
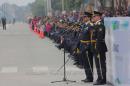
[(45, 7), (49, 8), (63, 7), (113, 6)]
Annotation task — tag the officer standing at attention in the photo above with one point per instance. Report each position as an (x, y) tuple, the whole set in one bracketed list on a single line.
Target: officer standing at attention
[(86, 54), (98, 33), (3, 19)]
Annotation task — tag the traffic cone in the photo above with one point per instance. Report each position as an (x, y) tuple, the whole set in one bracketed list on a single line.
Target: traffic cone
[(38, 31), (35, 29), (41, 35)]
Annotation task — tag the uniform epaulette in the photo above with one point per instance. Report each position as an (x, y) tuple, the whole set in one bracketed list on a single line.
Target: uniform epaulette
[(91, 24), (98, 23)]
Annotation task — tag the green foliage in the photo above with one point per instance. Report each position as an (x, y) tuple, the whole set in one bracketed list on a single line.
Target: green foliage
[(38, 8), (69, 5), (57, 5), (102, 3), (72, 5)]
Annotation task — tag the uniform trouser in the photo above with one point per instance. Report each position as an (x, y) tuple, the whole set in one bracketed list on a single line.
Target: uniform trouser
[(100, 61), (87, 57), (4, 26)]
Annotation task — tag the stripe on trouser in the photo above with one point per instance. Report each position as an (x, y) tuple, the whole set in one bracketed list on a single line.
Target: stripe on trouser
[(100, 66)]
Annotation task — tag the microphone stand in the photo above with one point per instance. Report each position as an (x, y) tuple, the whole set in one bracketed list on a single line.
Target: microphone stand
[(64, 77)]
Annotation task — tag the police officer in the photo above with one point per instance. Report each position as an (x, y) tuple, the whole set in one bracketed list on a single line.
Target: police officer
[(3, 19), (13, 20), (98, 33), (86, 54)]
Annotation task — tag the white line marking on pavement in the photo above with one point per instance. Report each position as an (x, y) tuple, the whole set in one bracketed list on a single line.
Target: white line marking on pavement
[(40, 69), (9, 70)]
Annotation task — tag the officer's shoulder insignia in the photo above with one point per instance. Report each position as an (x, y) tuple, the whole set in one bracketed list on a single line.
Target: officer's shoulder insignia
[(98, 23), (91, 24)]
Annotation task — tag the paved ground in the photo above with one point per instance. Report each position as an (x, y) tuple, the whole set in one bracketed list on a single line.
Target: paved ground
[(27, 60)]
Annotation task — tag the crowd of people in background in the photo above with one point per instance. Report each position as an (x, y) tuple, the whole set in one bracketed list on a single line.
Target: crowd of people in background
[(47, 22), (118, 13)]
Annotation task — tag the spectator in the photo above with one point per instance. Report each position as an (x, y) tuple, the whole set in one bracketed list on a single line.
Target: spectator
[(48, 28)]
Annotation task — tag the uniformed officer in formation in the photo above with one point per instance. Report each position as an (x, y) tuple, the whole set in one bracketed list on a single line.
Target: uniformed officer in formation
[(99, 48), (85, 47)]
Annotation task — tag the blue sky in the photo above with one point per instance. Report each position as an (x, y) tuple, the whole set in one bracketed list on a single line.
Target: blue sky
[(18, 2)]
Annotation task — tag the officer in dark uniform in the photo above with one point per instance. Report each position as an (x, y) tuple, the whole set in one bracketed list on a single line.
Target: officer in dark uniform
[(14, 20), (3, 19), (85, 42), (100, 48)]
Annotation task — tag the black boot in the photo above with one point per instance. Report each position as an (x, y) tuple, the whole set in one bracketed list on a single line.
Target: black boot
[(100, 82), (87, 80)]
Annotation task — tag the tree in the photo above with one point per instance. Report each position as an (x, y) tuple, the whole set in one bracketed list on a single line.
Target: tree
[(68, 4), (57, 5), (102, 2), (38, 8), (74, 4)]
